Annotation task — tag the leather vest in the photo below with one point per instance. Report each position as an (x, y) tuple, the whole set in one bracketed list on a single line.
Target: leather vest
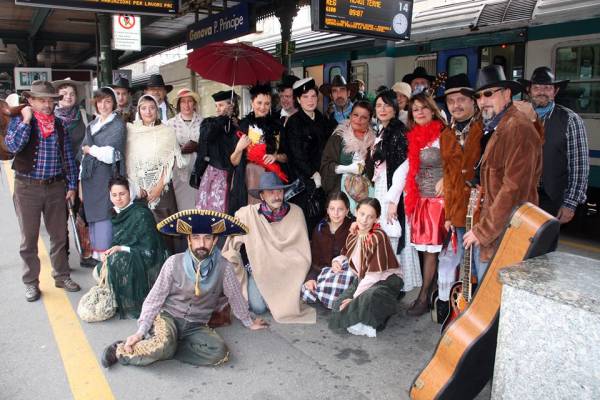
[(555, 174), (26, 160)]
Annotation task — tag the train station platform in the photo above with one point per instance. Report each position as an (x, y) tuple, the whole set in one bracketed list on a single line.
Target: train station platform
[(50, 354)]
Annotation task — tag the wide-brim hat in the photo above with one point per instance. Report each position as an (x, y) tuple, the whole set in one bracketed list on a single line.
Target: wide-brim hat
[(195, 222), (287, 82), (402, 88), (121, 83), (457, 84), (302, 86), (493, 76), (419, 72), (156, 80), (338, 81), (79, 87), (268, 181), (42, 89), (185, 92), (543, 76)]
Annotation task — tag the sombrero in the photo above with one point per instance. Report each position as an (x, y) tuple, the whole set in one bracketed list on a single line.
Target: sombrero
[(192, 222)]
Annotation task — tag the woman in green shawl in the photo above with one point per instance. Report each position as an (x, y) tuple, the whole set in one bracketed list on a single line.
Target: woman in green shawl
[(137, 252)]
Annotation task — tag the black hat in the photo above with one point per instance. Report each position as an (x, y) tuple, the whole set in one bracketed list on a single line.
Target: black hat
[(224, 95), (190, 222), (493, 76), (543, 76), (337, 81), (302, 86), (122, 83), (260, 88), (419, 72), (156, 80), (457, 84), (287, 82)]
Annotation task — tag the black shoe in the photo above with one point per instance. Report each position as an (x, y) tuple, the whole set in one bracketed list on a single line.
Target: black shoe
[(88, 262), (32, 293), (109, 355)]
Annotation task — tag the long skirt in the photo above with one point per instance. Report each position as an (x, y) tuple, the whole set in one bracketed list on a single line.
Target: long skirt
[(100, 235), (329, 287), (373, 307), (427, 224), (408, 257), (253, 173), (166, 207), (185, 195), (212, 192)]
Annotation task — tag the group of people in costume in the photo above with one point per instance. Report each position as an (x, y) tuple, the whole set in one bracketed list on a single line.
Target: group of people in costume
[(349, 210)]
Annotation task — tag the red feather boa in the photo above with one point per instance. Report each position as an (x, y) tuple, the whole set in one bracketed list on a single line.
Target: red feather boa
[(255, 154), (419, 137)]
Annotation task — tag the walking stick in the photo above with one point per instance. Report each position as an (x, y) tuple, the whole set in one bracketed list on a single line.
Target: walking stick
[(73, 221)]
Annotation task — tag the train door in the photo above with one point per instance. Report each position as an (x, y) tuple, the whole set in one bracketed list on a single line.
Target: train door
[(329, 71), (316, 72), (459, 61)]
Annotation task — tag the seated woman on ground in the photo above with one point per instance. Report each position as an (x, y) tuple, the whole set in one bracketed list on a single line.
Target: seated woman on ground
[(328, 238), (370, 301), (137, 251)]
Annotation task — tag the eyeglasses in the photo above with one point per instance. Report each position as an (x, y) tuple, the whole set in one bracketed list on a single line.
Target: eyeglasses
[(486, 93)]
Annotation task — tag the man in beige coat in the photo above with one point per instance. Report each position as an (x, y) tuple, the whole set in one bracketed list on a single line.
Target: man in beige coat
[(273, 259)]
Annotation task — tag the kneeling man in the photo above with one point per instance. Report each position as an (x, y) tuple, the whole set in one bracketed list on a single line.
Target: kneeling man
[(174, 318), (273, 259)]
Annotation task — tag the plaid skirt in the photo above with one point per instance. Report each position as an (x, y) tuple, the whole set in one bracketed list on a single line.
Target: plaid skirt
[(329, 286)]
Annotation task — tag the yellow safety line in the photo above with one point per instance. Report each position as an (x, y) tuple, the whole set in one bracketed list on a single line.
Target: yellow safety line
[(85, 375), (595, 249)]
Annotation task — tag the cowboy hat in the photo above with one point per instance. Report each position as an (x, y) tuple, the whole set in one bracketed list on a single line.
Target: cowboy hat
[(79, 87), (419, 72), (543, 76), (156, 80), (338, 81), (268, 181), (121, 83), (493, 76), (457, 84), (185, 92), (208, 222), (42, 89)]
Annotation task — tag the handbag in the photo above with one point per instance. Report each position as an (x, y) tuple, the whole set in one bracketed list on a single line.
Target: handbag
[(99, 303), (357, 186)]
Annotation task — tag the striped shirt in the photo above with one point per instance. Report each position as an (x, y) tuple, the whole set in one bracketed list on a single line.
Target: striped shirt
[(48, 160)]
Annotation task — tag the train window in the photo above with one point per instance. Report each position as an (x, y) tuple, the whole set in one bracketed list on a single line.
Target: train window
[(361, 71), (581, 65), (457, 65), (510, 56)]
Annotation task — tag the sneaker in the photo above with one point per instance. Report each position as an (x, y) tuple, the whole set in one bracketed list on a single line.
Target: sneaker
[(109, 355), (32, 293), (68, 284)]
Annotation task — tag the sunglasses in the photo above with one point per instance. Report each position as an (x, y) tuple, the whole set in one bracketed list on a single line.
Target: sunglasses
[(486, 93)]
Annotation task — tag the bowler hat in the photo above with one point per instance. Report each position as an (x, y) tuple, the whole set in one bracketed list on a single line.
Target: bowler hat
[(122, 83), (338, 81), (208, 222), (543, 76), (287, 82), (493, 76), (42, 89), (457, 84), (156, 80), (268, 181), (419, 72)]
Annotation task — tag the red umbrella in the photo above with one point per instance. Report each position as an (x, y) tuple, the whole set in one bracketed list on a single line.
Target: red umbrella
[(234, 64)]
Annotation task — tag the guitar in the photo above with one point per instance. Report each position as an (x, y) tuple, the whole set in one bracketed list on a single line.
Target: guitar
[(461, 292), (440, 81), (463, 361)]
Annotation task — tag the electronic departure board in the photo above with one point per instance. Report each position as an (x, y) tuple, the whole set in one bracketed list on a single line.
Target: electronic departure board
[(150, 7), (386, 19)]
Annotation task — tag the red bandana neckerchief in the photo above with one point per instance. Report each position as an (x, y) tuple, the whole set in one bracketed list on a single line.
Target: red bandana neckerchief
[(419, 137), (45, 123)]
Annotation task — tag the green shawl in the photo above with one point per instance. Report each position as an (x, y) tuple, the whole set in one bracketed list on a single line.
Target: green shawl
[(132, 274)]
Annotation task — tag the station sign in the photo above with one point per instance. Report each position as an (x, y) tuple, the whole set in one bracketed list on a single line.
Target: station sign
[(127, 32), (385, 19), (229, 24), (140, 7)]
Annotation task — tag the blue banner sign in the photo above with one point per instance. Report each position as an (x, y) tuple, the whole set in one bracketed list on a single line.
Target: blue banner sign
[(229, 24)]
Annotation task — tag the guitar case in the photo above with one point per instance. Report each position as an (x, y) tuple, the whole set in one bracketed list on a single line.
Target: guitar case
[(463, 361)]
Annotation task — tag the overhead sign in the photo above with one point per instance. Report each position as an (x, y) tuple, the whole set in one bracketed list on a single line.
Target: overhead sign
[(229, 24), (148, 7), (127, 33), (386, 19)]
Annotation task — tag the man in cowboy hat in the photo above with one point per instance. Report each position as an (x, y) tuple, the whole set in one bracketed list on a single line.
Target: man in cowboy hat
[(273, 259), (286, 97), (511, 163), (419, 80), (175, 315), (566, 164), (125, 109), (45, 177), (156, 87), (340, 92)]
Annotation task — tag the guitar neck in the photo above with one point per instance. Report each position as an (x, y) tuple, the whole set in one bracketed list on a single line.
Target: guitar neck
[(466, 266)]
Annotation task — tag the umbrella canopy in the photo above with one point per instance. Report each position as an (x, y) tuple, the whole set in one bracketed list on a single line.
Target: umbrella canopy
[(234, 64)]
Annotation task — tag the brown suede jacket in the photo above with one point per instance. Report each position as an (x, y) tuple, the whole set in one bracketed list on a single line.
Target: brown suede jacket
[(510, 171), (459, 167)]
